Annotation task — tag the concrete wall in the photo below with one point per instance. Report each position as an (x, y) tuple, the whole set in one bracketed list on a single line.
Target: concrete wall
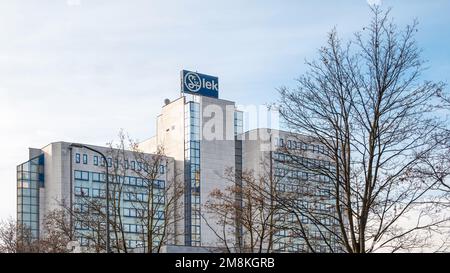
[(215, 156)]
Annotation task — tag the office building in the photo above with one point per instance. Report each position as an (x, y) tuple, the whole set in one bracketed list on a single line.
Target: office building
[(201, 136), (72, 177)]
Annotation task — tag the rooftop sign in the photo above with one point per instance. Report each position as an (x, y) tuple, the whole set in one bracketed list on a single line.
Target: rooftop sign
[(199, 84)]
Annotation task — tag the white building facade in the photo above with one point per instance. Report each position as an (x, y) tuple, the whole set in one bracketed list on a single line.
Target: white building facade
[(201, 136)]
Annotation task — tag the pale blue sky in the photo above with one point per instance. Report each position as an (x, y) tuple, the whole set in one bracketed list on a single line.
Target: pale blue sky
[(79, 70)]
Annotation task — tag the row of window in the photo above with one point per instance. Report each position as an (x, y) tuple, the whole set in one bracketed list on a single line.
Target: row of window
[(302, 189), (309, 163), (292, 144), (305, 205), (292, 219), (133, 165), (133, 212), (299, 248), (126, 180), (85, 242), (127, 196), (301, 175)]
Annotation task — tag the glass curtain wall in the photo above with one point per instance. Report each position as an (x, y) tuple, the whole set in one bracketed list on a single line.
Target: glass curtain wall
[(192, 173), (30, 178)]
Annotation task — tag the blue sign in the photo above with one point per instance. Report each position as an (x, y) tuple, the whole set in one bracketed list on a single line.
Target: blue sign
[(199, 84)]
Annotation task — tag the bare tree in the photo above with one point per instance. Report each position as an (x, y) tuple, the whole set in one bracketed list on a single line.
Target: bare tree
[(364, 102), (245, 213), (142, 206), (157, 214), (16, 238), (57, 232)]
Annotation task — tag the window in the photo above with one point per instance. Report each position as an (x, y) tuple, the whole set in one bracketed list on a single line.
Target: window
[(127, 196), (133, 165), (304, 176), (158, 199), (77, 158), (159, 184), (280, 187), (127, 164), (160, 215), (304, 146), (132, 243), (85, 176), (96, 177), (132, 181), (84, 241), (96, 160), (80, 225), (162, 169), (80, 175), (139, 182), (130, 228), (99, 193), (80, 191), (110, 162), (130, 212), (85, 159), (321, 149)]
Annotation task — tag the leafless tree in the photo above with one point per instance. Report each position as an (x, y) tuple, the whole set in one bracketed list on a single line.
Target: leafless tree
[(245, 213), (16, 238), (57, 232), (152, 201), (89, 222), (157, 214), (366, 104)]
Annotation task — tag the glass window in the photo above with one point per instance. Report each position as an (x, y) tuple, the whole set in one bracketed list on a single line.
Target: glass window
[(133, 181), (80, 191), (84, 241), (78, 175), (96, 177), (85, 176), (95, 192), (77, 158), (160, 183), (85, 159), (139, 182), (96, 160), (133, 165)]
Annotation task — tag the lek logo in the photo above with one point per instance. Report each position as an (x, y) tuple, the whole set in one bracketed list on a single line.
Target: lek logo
[(192, 81), (200, 84)]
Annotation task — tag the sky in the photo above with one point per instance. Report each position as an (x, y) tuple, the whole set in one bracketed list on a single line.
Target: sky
[(79, 70)]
